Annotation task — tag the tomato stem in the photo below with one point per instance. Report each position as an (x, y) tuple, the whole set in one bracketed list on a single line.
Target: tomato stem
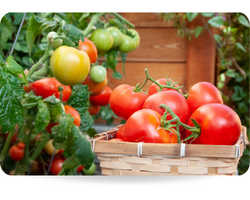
[(123, 20), (6, 145), (72, 44), (30, 104), (91, 24)]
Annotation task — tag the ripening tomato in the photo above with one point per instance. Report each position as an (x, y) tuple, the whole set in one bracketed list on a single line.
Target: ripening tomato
[(124, 101), (17, 152), (93, 110), (79, 169), (56, 166), (130, 43), (95, 88), (117, 139), (202, 93), (90, 171), (90, 48), (173, 99), (120, 132), (49, 148), (219, 124), (101, 99), (27, 88), (102, 39), (144, 126), (50, 126), (98, 73), (116, 35), (69, 65), (163, 81), (74, 113), (48, 86)]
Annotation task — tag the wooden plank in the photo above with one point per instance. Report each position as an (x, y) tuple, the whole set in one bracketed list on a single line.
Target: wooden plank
[(192, 170), (201, 52), (134, 73), (149, 19)]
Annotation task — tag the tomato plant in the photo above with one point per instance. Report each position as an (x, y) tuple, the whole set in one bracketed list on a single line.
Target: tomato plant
[(145, 126), (124, 101), (90, 48), (91, 170), (69, 65), (101, 99), (95, 88), (219, 125), (102, 39), (98, 73), (56, 166), (74, 114), (48, 86), (116, 35), (202, 93), (17, 152)]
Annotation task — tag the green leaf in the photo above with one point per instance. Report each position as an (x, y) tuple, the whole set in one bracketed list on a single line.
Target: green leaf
[(243, 107), (34, 29), (71, 162), (91, 132), (240, 46), (238, 94), (243, 20), (79, 98), (11, 109), (217, 38), (86, 121), (111, 61), (72, 32), (198, 31), (2, 61), (84, 15), (191, 16), (15, 69), (123, 57), (231, 73), (207, 14), (117, 75), (6, 31), (82, 148), (42, 117), (216, 21)]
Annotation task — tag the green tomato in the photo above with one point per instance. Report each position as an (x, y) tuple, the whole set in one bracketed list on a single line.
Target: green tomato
[(130, 43), (57, 42), (116, 35), (98, 73), (102, 40), (90, 171)]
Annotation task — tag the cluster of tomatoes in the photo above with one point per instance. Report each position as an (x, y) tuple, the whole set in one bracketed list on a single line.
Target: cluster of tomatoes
[(202, 110)]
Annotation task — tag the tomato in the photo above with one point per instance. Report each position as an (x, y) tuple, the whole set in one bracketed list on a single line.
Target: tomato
[(56, 43), (21, 145), (79, 169), (90, 171), (27, 88), (116, 139), (101, 99), (173, 99), (17, 153), (93, 110), (220, 125), (90, 48), (144, 126), (120, 133), (50, 126), (124, 101), (116, 35), (48, 86), (49, 148), (74, 113), (69, 65), (56, 166), (130, 43), (14, 136), (98, 73), (95, 88), (155, 88), (202, 93), (102, 39)]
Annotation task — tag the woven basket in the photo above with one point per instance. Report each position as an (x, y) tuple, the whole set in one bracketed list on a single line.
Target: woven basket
[(130, 158)]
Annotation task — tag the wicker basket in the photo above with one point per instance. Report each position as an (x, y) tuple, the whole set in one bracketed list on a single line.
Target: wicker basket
[(130, 158)]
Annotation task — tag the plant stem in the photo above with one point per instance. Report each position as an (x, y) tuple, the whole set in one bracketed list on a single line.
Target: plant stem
[(26, 153), (91, 24), (64, 38), (6, 145), (124, 20), (29, 104)]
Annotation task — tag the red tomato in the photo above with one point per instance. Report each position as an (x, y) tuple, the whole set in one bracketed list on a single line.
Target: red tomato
[(28, 88), (21, 145), (90, 48), (50, 126), (120, 132), (74, 113), (14, 136), (56, 166), (16, 153), (79, 169), (144, 126), (93, 110), (101, 99), (220, 125), (48, 86), (154, 88), (124, 101), (173, 99), (95, 88), (202, 93), (117, 139)]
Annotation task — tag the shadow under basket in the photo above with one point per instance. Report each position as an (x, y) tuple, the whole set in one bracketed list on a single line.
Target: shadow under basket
[(131, 158)]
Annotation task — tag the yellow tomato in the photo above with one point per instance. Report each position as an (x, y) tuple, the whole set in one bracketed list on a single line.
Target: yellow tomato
[(69, 66), (49, 148)]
